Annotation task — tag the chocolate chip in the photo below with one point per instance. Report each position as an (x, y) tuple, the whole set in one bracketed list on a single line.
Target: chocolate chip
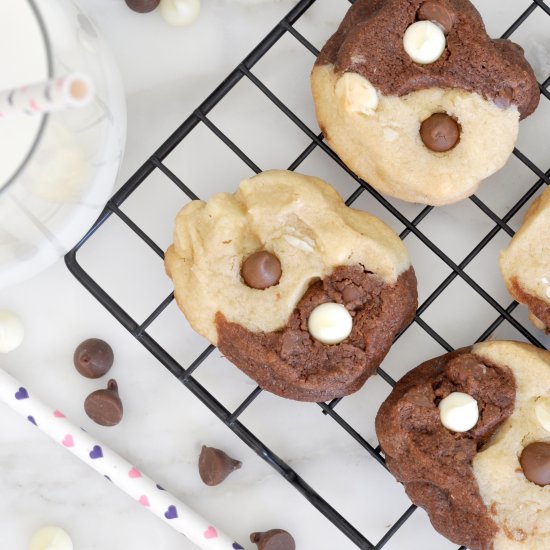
[(142, 6), (93, 358), (104, 407), (440, 132), (215, 465), (274, 539), (504, 98), (352, 293), (261, 270), (438, 13), (535, 461)]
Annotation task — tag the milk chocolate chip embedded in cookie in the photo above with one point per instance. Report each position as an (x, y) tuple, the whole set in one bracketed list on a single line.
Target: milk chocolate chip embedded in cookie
[(300, 292), (390, 66), (261, 270), (535, 462), (437, 12), (440, 132), (463, 435)]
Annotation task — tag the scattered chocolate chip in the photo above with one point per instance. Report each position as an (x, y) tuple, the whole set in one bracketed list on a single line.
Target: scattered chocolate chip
[(440, 132), (104, 407), (274, 539), (261, 270), (93, 358), (215, 465), (535, 461), (142, 6), (438, 13)]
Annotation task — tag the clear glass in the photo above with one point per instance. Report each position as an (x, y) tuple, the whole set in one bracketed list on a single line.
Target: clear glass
[(69, 172)]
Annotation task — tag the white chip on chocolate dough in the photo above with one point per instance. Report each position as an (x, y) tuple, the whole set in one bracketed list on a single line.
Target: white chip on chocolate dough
[(51, 538), (330, 323), (424, 42), (357, 94), (11, 331), (458, 412), (542, 412)]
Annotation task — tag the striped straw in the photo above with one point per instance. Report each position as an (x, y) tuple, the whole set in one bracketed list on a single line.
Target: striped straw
[(70, 91)]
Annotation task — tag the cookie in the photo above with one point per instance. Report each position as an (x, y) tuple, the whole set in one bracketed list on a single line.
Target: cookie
[(302, 293), (468, 434), (418, 101), (525, 264)]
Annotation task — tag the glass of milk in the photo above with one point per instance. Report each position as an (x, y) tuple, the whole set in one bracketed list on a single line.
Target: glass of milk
[(56, 170)]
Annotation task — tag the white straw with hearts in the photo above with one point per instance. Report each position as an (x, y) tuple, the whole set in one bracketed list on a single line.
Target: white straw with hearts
[(72, 90), (115, 468)]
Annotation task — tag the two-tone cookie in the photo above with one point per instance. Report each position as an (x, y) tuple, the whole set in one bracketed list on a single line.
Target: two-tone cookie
[(302, 293), (525, 264), (417, 99), (468, 434)]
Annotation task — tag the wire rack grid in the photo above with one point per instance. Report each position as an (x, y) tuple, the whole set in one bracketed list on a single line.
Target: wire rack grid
[(497, 219)]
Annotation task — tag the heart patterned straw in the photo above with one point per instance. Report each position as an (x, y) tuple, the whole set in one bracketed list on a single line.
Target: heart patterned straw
[(115, 468), (72, 90)]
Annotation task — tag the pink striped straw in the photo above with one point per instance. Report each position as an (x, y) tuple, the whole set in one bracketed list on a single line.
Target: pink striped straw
[(73, 90)]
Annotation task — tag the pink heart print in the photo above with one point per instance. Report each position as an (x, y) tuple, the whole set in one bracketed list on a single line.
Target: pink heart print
[(210, 533), (144, 500), (134, 472), (68, 441), (58, 414)]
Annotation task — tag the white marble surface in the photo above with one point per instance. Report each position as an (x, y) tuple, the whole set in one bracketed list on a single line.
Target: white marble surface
[(167, 72)]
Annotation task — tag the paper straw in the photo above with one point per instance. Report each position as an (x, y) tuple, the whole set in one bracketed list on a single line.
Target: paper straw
[(115, 468), (73, 90)]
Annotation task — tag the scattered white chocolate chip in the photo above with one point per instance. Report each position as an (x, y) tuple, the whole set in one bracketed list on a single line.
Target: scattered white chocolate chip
[(357, 94), (542, 412), (11, 331), (424, 41), (301, 244), (180, 12), (458, 412), (51, 538), (330, 323)]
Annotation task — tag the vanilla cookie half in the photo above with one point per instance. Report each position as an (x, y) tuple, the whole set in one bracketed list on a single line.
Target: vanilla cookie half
[(525, 264)]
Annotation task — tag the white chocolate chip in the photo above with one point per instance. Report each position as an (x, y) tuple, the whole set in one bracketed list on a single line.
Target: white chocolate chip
[(424, 41), (357, 94), (11, 331), (301, 244), (544, 281), (548, 292), (458, 412), (542, 412), (330, 323), (180, 12), (51, 538)]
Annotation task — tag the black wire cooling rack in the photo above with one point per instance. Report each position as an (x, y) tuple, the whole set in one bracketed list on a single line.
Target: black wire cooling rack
[(185, 373)]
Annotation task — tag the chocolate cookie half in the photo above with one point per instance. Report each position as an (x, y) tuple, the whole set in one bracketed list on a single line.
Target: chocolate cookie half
[(302, 293), (409, 93), (467, 434)]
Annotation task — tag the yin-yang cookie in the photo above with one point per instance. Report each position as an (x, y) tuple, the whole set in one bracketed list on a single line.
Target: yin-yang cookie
[(468, 434), (302, 293), (418, 101), (525, 264)]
